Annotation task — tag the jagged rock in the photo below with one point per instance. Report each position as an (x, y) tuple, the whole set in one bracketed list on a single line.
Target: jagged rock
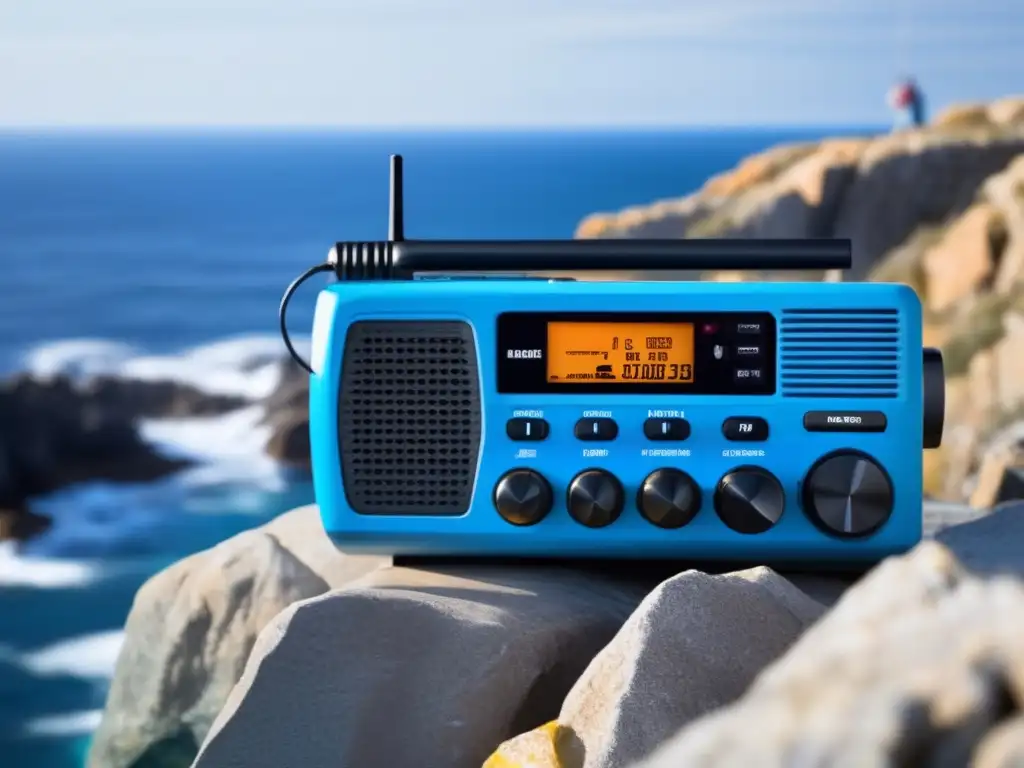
[(22, 523), (54, 434), (1000, 479), (919, 664), (990, 544), (414, 667), (693, 645), (192, 626), (287, 413), (877, 192), (958, 265)]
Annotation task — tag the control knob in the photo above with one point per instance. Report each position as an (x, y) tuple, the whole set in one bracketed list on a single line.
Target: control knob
[(847, 494), (523, 497), (669, 498), (749, 499), (595, 498)]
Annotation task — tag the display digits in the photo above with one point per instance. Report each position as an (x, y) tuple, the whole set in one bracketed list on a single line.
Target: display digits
[(657, 372)]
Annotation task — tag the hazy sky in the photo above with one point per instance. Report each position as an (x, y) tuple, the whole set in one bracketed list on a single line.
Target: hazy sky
[(495, 62)]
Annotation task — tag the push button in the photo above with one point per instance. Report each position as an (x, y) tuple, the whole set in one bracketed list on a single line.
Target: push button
[(745, 429), (845, 421), (751, 329), (748, 352), (596, 429), (526, 429), (666, 429)]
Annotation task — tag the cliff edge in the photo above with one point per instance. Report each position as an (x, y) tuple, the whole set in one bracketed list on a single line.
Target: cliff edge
[(940, 208)]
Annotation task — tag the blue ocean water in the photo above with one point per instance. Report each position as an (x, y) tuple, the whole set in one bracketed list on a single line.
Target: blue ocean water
[(165, 254)]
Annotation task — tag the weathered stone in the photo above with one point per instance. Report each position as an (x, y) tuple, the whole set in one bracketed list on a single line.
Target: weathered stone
[(916, 665), (191, 628), (412, 667), (961, 262), (693, 645), (991, 544)]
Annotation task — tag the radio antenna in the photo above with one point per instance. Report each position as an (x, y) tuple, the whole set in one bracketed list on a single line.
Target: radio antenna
[(396, 211), (399, 259)]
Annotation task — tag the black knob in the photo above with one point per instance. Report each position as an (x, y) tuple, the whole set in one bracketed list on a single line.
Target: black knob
[(523, 497), (847, 494), (749, 499), (934, 397), (595, 498), (669, 498)]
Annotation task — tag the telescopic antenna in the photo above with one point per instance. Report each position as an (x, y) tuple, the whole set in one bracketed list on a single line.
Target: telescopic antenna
[(399, 259), (396, 212)]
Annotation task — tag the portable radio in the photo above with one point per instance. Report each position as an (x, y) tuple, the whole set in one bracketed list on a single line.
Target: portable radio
[(497, 415)]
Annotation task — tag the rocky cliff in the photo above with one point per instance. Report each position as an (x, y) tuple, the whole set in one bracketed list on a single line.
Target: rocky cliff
[(939, 208)]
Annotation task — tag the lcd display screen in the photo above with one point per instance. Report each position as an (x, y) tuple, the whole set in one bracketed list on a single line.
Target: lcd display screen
[(620, 353)]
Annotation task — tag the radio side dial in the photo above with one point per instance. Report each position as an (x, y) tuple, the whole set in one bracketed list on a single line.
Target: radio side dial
[(523, 497)]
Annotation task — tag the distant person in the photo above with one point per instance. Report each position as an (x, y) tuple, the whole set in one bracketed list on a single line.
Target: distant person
[(907, 101)]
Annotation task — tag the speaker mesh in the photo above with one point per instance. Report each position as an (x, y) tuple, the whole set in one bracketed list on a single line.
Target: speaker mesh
[(409, 410)]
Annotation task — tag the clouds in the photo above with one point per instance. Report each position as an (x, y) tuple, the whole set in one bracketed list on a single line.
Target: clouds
[(508, 62)]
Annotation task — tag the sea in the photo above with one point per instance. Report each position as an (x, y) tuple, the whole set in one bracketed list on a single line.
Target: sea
[(164, 254)]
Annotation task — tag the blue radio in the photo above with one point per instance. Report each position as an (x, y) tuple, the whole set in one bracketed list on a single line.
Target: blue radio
[(489, 414)]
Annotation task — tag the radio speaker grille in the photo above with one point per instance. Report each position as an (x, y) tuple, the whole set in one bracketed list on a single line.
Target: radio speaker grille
[(840, 353), (410, 417)]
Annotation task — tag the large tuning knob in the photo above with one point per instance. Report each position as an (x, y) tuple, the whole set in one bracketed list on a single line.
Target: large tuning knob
[(847, 494), (749, 500), (523, 497), (669, 498), (595, 498)]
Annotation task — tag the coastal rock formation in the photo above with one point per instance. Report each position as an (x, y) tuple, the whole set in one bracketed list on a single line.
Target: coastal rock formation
[(878, 191), (192, 627), (54, 433), (273, 649), (287, 414)]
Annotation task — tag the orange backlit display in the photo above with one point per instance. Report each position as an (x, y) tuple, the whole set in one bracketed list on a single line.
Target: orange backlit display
[(627, 353)]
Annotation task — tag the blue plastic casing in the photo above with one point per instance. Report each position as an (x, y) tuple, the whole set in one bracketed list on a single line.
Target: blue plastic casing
[(788, 453)]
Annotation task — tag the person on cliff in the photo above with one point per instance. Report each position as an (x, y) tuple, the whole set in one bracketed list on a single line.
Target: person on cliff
[(907, 101)]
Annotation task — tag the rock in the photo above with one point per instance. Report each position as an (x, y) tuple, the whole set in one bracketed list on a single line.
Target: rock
[(919, 664), (54, 434), (1000, 479), (877, 192), (191, 628), (956, 266), (287, 413), (137, 399), (21, 523), (415, 667), (991, 544), (685, 651)]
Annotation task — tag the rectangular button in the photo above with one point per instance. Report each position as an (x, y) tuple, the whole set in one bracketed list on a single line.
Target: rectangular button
[(530, 430), (745, 428), (748, 328), (752, 350), (845, 421), (748, 376), (596, 429), (666, 429)]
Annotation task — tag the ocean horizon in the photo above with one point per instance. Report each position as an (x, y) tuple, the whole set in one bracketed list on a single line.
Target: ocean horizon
[(162, 254)]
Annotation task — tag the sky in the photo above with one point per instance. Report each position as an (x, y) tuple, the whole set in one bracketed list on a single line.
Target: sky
[(496, 63)]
